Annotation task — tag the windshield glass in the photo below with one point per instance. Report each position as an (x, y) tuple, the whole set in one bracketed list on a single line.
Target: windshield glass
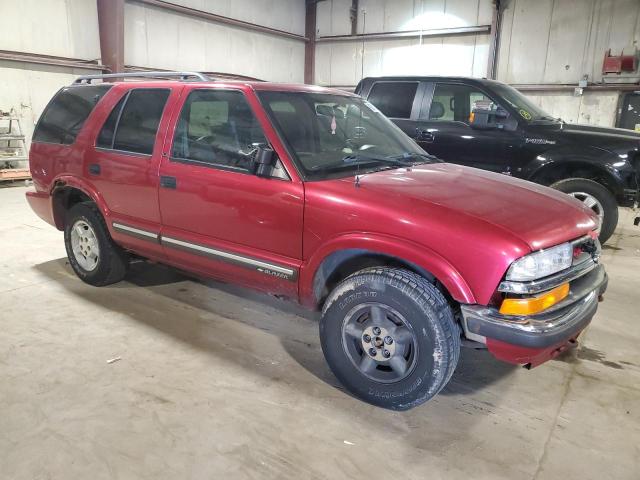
[(334, 135), (525, 107)]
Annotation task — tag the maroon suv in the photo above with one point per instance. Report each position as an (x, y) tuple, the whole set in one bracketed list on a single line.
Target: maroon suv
[(313, 194)]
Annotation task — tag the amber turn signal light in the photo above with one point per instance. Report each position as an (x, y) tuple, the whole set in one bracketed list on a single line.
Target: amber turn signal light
[(533, 305)]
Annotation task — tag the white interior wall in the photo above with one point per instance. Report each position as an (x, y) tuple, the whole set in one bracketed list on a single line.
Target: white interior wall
[(559, 41), (64, 28), (345, 63), (157, 38)]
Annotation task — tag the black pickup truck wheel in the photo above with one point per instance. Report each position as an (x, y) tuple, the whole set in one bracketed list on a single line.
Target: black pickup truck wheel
[(93, 255), (390, 337), (597, 198)]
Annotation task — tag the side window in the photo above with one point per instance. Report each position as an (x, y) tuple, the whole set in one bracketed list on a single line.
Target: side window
[(66, 113), (454, 103), (105, 137), (217, 127), (133, 123), (394, 99)]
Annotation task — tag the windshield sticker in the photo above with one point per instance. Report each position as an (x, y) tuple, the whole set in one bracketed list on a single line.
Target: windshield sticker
[(539, 141), (524, 114)]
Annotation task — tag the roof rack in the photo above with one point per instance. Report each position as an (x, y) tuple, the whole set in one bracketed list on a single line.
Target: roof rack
[(182, 75)]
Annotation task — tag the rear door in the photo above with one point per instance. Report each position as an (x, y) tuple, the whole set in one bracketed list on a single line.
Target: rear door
[(398, 100), (218, 217)]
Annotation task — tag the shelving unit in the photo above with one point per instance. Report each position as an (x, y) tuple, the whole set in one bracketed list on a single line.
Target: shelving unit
[(13, 150)]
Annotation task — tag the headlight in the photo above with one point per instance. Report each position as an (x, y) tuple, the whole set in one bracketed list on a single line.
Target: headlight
[(541, 264)]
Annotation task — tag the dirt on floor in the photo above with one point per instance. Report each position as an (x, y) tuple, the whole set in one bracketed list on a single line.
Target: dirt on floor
[(167, 377)]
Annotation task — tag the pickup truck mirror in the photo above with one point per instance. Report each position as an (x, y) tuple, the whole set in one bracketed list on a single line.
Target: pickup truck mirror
[(263, 161), (487, 115)]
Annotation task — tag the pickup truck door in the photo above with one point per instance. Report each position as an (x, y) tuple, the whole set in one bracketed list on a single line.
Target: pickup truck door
[(442, 129), (218, 218)]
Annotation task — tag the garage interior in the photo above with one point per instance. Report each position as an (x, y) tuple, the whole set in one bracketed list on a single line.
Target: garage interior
[(168, 376)]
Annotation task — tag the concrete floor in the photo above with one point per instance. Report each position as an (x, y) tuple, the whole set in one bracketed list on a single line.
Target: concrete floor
[(218, 382)]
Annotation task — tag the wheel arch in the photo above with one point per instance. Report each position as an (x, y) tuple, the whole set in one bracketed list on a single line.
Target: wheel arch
[(330, 266), (558, 170), (66, 192)]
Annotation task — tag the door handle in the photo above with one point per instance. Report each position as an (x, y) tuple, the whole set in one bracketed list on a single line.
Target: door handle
[(423, 135), (94, 169), (168, 182)]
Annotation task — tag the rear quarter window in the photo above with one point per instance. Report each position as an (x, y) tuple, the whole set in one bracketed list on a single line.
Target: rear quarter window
[(394, 99), (65, 115)]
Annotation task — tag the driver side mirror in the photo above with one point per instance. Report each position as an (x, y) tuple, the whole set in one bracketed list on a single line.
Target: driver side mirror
[(486, 115), (263, 161)]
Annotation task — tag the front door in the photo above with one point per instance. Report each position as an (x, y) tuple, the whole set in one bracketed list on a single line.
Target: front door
[(443, 129), (218, 217)]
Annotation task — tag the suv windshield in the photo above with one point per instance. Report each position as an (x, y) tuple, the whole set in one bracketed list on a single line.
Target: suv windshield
[(334, 135), (525, 107)]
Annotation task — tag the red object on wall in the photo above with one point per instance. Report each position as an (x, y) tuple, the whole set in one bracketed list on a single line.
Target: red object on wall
[(619, 63)]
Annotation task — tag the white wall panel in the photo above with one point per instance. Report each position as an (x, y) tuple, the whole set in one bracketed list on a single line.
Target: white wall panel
[(27, 88), (155, 38), (594, 108), (64, 28), (458, 55), (559, 41), (287, 15)]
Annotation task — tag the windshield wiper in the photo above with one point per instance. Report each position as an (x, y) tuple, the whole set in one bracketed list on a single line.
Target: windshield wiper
[(427, 157), (359, 159)]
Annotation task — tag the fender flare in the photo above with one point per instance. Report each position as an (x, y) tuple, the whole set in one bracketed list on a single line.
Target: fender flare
[(417, 256), (559, 159), (64, 181)]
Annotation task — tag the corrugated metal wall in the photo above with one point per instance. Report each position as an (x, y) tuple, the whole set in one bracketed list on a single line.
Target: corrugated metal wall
[(559, 41), (344, 64), (159, 39), (153, 38), (65, 28)]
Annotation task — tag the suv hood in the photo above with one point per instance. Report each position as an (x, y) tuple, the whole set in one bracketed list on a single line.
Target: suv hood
[(539, 216)]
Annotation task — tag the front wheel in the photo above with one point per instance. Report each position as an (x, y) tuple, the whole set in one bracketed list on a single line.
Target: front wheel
[(596, 197), (390, 337)]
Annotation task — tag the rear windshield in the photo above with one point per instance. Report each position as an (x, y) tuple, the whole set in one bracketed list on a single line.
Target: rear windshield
[(65, 115)]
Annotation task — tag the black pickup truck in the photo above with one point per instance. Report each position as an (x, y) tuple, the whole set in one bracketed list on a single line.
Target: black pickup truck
[(490, 125)]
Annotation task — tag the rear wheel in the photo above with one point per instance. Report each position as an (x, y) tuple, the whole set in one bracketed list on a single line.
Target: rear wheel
[(596, 197), (93, 255), (390, 337)]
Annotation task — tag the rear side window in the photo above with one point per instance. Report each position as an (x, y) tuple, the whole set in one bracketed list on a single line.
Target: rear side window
[(133, 123), (65, 115), (394, 99)]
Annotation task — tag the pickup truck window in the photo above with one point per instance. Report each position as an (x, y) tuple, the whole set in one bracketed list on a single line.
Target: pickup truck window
[(525, 107), (133, 123), (454, 102), (335, 135), (217, 128), (66, 113), (394, 99)]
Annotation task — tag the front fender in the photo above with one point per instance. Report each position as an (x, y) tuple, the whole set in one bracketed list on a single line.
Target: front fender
[(418, 256)]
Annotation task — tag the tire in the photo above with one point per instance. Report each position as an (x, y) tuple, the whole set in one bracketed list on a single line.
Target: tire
[(427, 339), (104, 265), (580, 188)]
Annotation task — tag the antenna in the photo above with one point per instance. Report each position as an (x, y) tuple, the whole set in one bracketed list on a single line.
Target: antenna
[(364, 26)]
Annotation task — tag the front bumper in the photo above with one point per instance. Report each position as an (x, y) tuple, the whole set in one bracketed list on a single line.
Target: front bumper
[(534, 339)]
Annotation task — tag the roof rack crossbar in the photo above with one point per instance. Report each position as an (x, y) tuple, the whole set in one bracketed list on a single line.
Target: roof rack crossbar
[(182, 75)]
